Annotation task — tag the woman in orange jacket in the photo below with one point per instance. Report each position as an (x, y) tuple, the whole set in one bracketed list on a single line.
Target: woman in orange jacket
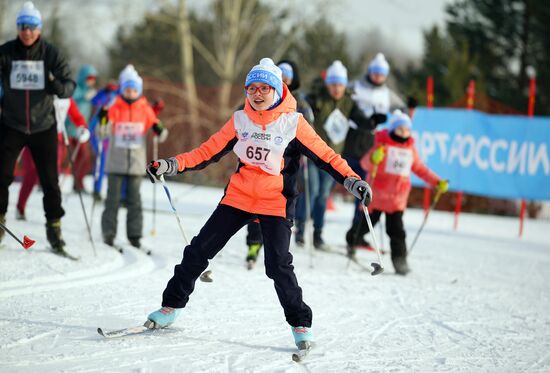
[(269, 137), (389, 164)]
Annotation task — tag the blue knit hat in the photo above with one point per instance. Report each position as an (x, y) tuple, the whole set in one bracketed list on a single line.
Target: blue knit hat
[(129, 78), (266, 72), (398, 119), (29, 15), (287, 70), (379, 65), (337, 73)]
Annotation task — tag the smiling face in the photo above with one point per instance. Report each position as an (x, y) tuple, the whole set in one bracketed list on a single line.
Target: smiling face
[(257, 99)]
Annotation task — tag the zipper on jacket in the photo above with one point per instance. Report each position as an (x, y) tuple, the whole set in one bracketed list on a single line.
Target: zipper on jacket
[(27, 105), (129, 150)]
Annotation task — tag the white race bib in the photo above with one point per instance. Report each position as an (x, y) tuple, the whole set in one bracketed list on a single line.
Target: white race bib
[(336, 126), (27, 75), (129, 135), (264, 148), (399, 161)]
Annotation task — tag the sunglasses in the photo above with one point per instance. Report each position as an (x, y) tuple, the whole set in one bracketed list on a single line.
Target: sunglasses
[(25, 26)]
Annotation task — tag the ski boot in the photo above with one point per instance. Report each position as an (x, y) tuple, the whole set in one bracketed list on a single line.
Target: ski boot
[(162, 318), (319, 243), (400, 265), (108, 240), (303, 337), (53, 233), (135, 242), (20, 214), (252, 255), (3, 221)]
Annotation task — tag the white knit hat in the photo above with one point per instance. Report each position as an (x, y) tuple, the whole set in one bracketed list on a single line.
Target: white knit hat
[(379, 65), (337, 73), (129, 78), (29, 15), (266, 72)]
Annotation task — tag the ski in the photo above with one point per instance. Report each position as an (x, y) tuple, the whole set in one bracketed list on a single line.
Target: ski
[(124, 332), (303, 350), (143, 249), (116, 247), (62, 253)]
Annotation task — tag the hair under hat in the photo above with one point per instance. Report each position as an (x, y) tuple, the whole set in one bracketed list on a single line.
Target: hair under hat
[(379, 65), (29, 15), (398, 119), (337, 73)]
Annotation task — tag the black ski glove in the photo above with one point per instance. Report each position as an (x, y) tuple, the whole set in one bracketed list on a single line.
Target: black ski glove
[(168, 167), (359, 188), (378, 118)]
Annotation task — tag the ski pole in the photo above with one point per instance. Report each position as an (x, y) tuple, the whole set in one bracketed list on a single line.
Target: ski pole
[(308, 213), (72, 160), (377, 266), (26, 243), (97, 171), (372, 176), (434, 202), (205, 277), (167, 191), (66, 141), (155, 156)]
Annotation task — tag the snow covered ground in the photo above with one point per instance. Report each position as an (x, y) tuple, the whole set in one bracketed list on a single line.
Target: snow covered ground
[(478, 300)]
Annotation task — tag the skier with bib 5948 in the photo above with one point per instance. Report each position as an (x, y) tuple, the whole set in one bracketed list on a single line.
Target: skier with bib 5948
[(269, 137)]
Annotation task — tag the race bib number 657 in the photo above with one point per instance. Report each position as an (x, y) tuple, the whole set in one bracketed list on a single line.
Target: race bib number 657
[(27, 75)]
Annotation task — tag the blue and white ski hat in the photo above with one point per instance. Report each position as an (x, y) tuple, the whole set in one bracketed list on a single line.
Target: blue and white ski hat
[(287, 70), (129, 78), (398, 119), (337, 73), (379, 65), (29, 15), (266, 72)]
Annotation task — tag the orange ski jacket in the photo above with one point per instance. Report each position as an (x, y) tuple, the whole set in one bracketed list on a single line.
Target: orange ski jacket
[(269, 144)]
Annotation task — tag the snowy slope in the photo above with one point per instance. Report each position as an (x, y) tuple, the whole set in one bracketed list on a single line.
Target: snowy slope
[(476, 301)]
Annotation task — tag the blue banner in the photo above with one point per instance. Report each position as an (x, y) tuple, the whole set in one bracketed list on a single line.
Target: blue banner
[(501, 156)]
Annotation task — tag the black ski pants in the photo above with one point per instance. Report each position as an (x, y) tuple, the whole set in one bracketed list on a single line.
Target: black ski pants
[(220, 227), (394, 229), (43, 147), (254, 234)]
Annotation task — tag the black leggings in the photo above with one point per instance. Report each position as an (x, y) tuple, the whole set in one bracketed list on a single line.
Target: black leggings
[(394, 229)]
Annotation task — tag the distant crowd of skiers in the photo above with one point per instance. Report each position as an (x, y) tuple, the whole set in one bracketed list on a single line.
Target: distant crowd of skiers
[(335, 126), (36, 80)]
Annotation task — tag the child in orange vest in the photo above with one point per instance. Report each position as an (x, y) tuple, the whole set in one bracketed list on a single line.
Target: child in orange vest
[(392, 159), (269, 137), (128, 118)]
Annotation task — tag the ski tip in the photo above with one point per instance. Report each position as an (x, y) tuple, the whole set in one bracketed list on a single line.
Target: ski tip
[(100, 332)]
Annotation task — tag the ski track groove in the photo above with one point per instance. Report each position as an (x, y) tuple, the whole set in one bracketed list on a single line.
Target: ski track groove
[(387, 325), (132, 264), (26, 340)]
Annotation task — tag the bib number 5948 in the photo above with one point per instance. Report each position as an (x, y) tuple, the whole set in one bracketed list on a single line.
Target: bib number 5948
[(257, 153)]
